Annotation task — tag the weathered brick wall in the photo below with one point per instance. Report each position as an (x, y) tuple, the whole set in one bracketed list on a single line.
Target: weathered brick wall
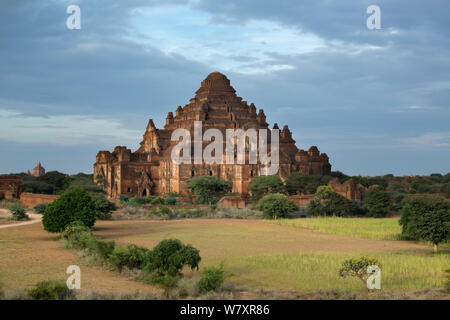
[(32, 199), (10, 186), (235, 202)]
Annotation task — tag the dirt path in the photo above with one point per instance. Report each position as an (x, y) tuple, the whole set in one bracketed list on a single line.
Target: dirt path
[(34, 218)]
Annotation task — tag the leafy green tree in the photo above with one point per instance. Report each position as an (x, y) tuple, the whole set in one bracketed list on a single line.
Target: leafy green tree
[(357, 268), (329, 203), (361, 180), (103, 207), (298, 183), (276, 205), (75, 205), (208, 187), (377, 202), (170, 256), (426, 218), (262, 185), (337, 174), (59, 181)]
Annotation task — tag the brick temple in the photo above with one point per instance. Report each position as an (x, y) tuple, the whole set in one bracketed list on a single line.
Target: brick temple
[(150, 170)]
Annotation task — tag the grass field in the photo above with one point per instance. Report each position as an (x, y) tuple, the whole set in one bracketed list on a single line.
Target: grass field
[(260, 254), (371, 228)]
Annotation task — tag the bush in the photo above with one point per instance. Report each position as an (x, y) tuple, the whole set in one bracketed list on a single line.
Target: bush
[(357, 268), (157, 201), (328, 203), (40, 208), (165, 211), (426, 218), (212, 279), (130, 256), (18, 212), (103, 206), (75, 205), (51, 290), (170, 256), (262, 185), (171, 201), (377, 202), (277, 205), (124, 198), (77, 235)]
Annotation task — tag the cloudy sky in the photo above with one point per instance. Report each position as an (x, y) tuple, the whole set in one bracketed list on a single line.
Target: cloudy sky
[(376, 101)]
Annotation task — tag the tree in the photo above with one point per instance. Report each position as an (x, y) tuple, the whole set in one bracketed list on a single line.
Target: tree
[(377, 202), (59, 181), (71, 206), (361, 180), (357, 268), (207, 187), (276, 205), (426, 218), (262, 185), (170, 256), (298, 183), (329, 203)]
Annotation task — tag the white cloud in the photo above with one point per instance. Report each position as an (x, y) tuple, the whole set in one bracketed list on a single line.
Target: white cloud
[(65, 129), (198, 37), (427, 141)]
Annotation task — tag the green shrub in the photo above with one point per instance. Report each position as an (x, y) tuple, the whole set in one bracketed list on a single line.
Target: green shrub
[(171, 201), (130, 256), (51, 290), (212, 279), (166, 282), (40, 208), (262, 185), (75, 205), (124, 198), (170, 256), (357, 268), (277, 205), (157, 201), (77, 235), (103, 206), (18, 212), (165, 211)]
